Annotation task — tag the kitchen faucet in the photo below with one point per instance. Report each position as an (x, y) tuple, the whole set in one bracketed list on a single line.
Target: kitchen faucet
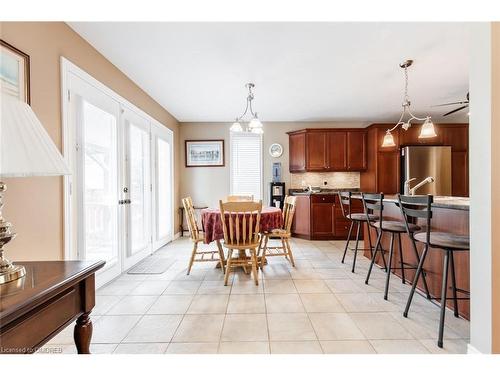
[(407, 186), (427, 180)]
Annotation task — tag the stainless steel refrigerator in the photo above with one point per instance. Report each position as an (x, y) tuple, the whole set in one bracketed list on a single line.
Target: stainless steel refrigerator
[(420, 162)]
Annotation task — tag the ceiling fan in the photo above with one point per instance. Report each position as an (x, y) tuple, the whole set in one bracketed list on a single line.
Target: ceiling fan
[(462, 105)]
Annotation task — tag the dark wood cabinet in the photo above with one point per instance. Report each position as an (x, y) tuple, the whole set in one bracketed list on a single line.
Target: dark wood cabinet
[(459, 174), (356, 150), (316, 151), (297, 157), (323, 222), (319, 217), (327, 150), (337, 159)]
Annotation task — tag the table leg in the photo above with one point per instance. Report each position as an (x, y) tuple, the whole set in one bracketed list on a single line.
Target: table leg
[(83, 333)]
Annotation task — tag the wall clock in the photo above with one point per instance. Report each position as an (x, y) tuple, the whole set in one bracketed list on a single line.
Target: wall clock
[(276, 150)]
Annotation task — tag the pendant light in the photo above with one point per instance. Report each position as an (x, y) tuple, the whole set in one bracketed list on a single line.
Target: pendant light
[(254, 126), (427, 130)]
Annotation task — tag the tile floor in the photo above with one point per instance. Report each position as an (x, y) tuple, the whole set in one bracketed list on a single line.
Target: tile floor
[(317, 307)]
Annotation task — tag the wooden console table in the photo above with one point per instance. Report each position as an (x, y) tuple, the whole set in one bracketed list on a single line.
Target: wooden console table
[(49, 298)]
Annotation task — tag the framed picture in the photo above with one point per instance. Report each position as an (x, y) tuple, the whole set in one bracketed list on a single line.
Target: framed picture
[(14, 72), (205, 153)]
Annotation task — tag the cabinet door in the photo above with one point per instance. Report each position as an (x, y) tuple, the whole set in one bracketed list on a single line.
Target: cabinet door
[(323, 223), (456, 136), (316, 159), (459, 174), (337, 151), (388, 172), (297, 152), (356, 151)]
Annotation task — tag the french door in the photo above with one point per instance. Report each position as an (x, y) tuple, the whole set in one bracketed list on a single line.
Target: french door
[(138, 188), (119, 198)]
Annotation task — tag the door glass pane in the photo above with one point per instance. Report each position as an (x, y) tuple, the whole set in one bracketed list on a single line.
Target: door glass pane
[(139, 189), (100, 190), (164, 212)]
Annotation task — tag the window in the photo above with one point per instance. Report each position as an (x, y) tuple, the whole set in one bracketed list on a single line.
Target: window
[(246, 164)]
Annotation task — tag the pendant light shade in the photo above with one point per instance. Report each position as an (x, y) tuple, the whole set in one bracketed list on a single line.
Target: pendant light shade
[(427, 130), (236, 127), (388, 140), (255, 124)]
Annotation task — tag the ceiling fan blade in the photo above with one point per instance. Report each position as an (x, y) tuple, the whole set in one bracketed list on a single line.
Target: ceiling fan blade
[(455, 110), (455, 103)]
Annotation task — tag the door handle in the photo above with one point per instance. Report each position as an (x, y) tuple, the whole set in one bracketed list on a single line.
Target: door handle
[(121, 201)]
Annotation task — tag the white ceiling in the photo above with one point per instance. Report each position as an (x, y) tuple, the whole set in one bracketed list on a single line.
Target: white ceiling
[(302, 71)]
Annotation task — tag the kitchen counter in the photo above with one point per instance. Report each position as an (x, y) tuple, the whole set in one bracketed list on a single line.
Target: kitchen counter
[(453, 203), (322, 192)]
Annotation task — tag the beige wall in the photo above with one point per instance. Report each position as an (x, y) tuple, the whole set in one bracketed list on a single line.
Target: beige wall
[(495, 183), (207, 185), (35, 205)]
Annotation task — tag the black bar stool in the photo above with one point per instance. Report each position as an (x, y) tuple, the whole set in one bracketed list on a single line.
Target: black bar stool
[(421, 207), (345, 199), (375, 203)]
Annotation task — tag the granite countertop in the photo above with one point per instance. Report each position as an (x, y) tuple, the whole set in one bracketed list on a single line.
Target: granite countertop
[(453, 203), (322, 192)]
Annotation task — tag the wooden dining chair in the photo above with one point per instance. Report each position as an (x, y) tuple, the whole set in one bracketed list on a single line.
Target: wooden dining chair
[(283, 234), (241, 227), (198, 255), (240, 198)]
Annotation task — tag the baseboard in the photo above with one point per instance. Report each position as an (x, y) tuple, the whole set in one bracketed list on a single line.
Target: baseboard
[(472, 350), (177, 236)]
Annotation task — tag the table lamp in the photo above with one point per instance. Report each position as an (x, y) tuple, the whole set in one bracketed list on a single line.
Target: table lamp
[(26, 150)]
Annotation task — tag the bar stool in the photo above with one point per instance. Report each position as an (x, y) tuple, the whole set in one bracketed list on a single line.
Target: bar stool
[(421, 207), (374, 203), (345, 199)]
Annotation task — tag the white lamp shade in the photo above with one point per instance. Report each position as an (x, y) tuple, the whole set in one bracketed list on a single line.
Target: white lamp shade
[(25, 147), (388, 140), (236, 127), (427, 130), (255, 123)]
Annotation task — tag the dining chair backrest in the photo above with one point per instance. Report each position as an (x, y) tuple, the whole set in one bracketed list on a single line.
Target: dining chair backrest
[(240, 198), (288, 211), (416, 207), (240, 222), (373, 203), (345, 203), (191, 218)]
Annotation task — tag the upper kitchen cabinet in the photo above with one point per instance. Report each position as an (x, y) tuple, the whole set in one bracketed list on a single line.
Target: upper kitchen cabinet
[(328, 150), (316, 151), (297, 147), (337, 147), (356, 150)]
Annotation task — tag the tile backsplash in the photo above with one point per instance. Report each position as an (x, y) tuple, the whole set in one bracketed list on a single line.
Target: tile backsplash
[(334, 180)]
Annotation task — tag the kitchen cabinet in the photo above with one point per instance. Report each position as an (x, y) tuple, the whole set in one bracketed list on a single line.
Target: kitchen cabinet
[(297, 147), (327, 150), (337, 147), (356, 151), (319, 217), (316, 151)]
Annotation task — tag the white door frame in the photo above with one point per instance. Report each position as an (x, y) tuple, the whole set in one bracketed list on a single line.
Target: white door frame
[(69, 69)]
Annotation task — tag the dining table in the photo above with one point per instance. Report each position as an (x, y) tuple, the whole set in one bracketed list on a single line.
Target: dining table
[(270, 218)]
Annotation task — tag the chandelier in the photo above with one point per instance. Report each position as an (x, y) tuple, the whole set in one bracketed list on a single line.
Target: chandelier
[(427, 130), (254, 126)]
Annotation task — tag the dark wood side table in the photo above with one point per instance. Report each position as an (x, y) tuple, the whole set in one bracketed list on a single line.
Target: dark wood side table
[(49, 298)]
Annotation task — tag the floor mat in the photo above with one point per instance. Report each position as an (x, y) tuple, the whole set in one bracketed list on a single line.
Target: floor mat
[(152, 266)]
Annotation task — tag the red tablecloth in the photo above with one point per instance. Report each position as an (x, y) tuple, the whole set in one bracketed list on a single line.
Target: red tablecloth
[(270, 218)]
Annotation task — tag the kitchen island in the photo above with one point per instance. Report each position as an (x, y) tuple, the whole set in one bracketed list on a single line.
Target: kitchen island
[(449, 214)]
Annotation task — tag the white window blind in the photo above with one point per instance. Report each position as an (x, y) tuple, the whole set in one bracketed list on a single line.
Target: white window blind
[(246, 164)]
